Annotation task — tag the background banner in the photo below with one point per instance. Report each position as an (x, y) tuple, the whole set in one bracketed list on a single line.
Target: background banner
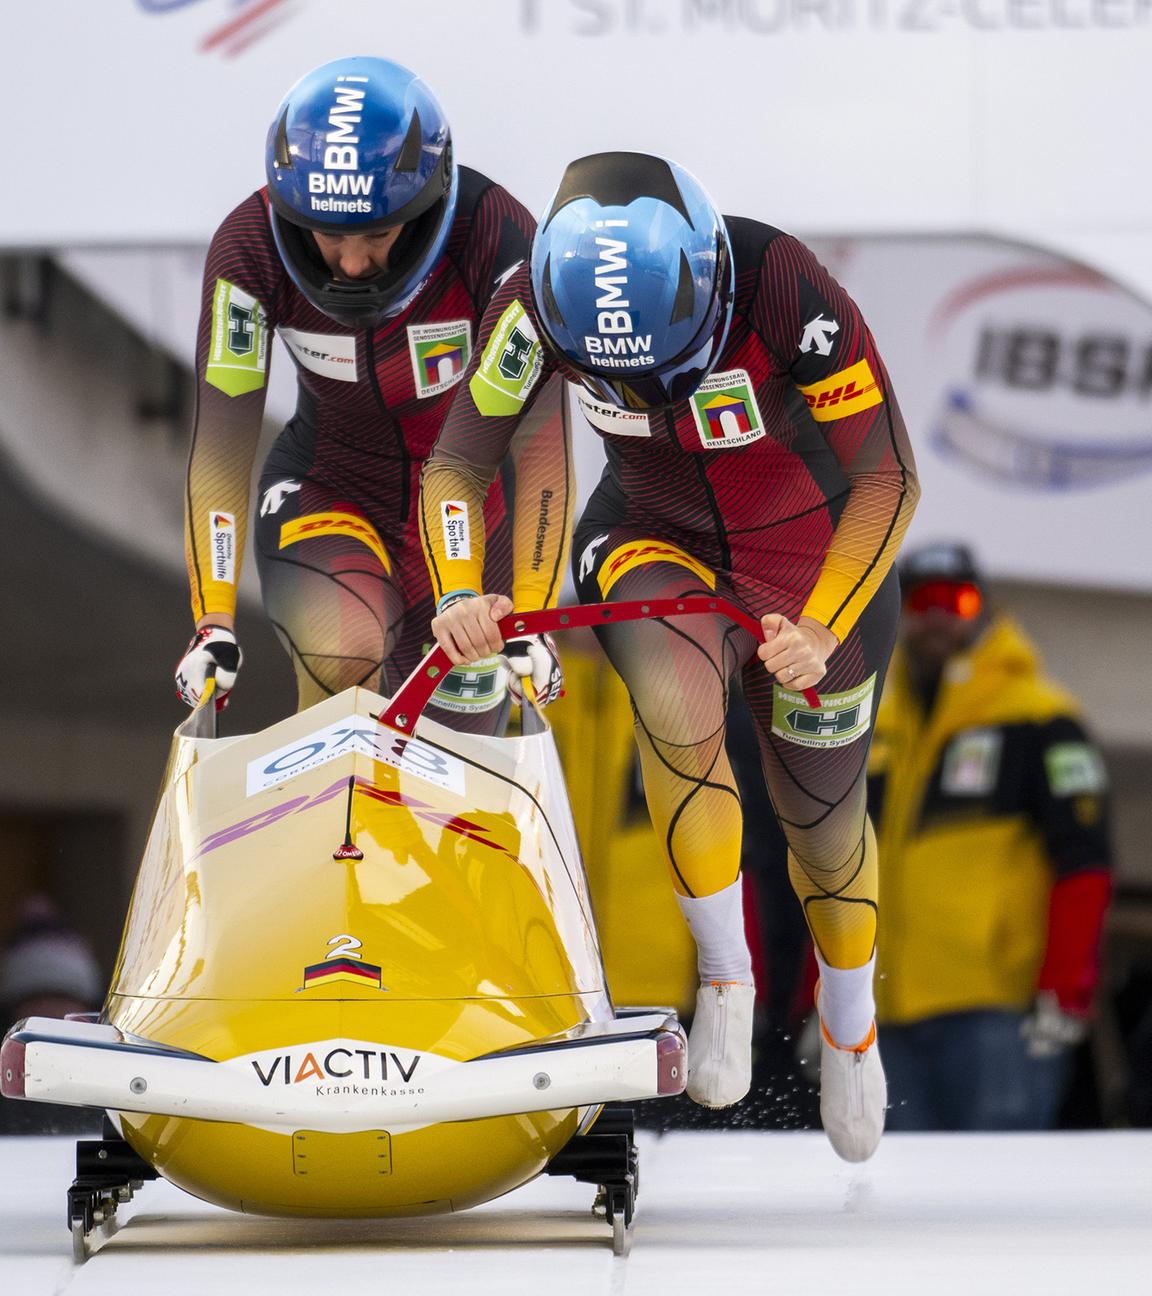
[(1026, 382), (141, 121)]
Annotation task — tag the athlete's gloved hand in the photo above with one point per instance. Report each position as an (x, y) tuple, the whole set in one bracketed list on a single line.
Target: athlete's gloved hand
[(210, 646), (534, 657), (1048, 1030)]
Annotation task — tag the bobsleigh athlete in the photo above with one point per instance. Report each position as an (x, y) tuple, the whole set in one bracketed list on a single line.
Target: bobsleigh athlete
[(755, 450), (374, 257)]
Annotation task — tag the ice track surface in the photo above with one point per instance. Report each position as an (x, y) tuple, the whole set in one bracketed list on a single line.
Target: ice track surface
[(718, 1213)]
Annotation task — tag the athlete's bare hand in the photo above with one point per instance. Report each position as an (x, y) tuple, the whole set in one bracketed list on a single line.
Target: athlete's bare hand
[(466, 629), (797, 654)]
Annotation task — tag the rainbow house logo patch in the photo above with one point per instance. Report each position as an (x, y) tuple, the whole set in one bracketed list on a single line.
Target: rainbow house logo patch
[(440, 354), (726, 412)]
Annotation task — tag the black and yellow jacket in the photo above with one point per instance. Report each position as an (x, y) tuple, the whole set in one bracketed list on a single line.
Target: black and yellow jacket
[(991, 821)]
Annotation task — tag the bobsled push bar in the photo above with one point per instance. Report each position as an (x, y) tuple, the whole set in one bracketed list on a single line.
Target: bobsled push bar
[(410, 700)]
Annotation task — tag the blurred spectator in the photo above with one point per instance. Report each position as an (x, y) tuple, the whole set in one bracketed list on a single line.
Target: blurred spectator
[(46, 970), (988, 798)]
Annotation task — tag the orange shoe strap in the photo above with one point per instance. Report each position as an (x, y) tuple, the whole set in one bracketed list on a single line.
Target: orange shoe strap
[(863, 1047)]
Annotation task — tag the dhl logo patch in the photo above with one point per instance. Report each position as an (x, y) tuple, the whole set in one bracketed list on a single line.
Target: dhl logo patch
[(638, 553), (346, 524), (847, 392)]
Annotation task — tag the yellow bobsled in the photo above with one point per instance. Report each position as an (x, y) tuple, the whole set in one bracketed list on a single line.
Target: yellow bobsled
[(359, 977)]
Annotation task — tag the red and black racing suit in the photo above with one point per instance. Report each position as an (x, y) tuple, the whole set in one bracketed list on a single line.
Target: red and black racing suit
[(341, 569), (786, 484)]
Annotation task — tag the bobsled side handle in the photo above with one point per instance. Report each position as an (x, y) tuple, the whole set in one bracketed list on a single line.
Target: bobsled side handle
[(202, 722), (411, 698)]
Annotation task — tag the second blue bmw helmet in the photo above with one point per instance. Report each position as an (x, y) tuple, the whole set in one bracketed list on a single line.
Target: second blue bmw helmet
[(632, 278), (357, 146)]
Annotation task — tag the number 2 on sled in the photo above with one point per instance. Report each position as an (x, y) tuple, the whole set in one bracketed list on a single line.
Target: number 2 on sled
[(347, 950)]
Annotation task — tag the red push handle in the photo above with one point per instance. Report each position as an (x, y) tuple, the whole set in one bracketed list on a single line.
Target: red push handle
[(412, 696)]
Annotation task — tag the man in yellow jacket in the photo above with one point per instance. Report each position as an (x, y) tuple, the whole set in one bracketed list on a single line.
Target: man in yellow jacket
[(988, 798)]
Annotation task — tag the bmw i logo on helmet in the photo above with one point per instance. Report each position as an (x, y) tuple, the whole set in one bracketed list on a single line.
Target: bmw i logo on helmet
[(632, 278), (360, 145)]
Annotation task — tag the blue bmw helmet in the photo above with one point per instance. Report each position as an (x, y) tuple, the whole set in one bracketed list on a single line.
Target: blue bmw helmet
[(632, 278), (357, 146)]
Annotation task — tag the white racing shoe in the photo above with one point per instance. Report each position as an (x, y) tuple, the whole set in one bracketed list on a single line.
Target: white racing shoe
[(720, 1044), (853, 1096)]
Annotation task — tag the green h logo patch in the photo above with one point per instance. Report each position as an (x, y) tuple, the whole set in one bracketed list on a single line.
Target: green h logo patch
[(517, 353), (469, 684), (238, 348), (241, 330), (475, 688), (839, 719), (510, 365), (823, 724)]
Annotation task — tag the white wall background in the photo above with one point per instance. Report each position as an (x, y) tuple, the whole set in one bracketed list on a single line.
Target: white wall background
[(135, 121), (139, 123)]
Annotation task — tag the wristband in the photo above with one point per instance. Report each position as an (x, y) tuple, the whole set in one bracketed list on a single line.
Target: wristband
[(453, 596)]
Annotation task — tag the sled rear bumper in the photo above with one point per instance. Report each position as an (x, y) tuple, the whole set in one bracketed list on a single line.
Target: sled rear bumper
[(343, 1085)]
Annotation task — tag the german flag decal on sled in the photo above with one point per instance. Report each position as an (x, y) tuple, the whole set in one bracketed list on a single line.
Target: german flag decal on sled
[(343, 969)]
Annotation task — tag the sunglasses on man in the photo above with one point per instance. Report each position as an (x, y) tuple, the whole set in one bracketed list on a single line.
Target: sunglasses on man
[(959, 598)]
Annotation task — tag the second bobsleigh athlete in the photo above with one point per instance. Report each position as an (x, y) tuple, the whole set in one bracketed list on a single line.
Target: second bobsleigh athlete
[(372, 255), (755, 450)]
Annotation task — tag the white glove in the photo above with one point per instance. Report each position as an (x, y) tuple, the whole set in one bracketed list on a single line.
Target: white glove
[(534, 657), (210, 646), (1048, 1030)]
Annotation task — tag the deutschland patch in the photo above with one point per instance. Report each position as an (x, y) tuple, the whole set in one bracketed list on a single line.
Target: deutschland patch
[(342, 969), (840, 718), (439, 355), (725, 411)]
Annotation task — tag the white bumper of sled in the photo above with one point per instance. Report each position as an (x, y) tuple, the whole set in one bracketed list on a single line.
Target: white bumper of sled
[(343, 1085)]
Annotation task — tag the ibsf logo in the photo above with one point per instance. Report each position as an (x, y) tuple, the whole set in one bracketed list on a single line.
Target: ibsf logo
[(615, 344), (245, 21), (1052, 386)]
